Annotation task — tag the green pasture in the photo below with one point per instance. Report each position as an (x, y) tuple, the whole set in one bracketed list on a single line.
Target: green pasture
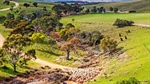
[(135, 64), (4, 31), (31, 8), (137, 5), (137, 47), (20, 69), (104, 22), (52, 53), (138, 18), (4, 5)]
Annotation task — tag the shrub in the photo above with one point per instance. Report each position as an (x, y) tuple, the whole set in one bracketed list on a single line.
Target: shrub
[(7, 2), (11, 23), (122, 23), (132, 11), (108, 44), (2, 19)]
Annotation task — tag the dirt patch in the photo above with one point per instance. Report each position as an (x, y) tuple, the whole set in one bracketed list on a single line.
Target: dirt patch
[(1, 40)]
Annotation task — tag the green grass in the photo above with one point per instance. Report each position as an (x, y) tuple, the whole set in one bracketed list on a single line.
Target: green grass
[(137, 63), (4, 5), (5, 73), (31, 8), (142, 18), (52, 53), (4, 31), (104, 22), (9, 72), (137, 46)]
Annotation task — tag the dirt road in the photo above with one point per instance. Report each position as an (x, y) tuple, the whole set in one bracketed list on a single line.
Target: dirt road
[(142, 25), (1, 40), (52, 65), (40, 61)]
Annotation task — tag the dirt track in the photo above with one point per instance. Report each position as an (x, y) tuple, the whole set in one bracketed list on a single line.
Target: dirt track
[(1, 40), (142, 25), (52, 65)]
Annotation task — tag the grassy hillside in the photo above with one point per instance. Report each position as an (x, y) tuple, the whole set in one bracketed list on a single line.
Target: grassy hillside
[(135, 61), (9, 72), (25, 0), (105, 20), (138, 5), (134, 64), (29, 9), (4, 5)]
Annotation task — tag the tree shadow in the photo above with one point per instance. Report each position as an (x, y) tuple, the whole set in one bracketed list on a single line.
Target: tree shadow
[(49, 52), (8, 70), (11, 71)]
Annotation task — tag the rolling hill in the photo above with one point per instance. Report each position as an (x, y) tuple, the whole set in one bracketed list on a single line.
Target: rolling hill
[(138, 5)]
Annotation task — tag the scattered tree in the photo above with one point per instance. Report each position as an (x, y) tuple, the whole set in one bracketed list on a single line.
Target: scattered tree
[(111, 9), (26, 5), (11, 23), (44, 8), (67, 47), (75, 42), (87, 11), (7, 2), (2, 57), (46, 23), (2, 19), (72, 32), (121, 23), (14, 46), (63, 34), (108, 45), (116, 10), (38, 37), (94, 9), (11, 8), (23, 28), (35, 4), (132, 11), (69, 25), (96, 37), (10, 16)]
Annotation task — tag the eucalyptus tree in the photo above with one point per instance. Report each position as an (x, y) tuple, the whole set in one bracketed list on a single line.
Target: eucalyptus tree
[(35, 4), (46, 23), (67, 47), (96, 37), (75, 42), (108, 44), (14, 46), (2, 57), (2, 19)]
